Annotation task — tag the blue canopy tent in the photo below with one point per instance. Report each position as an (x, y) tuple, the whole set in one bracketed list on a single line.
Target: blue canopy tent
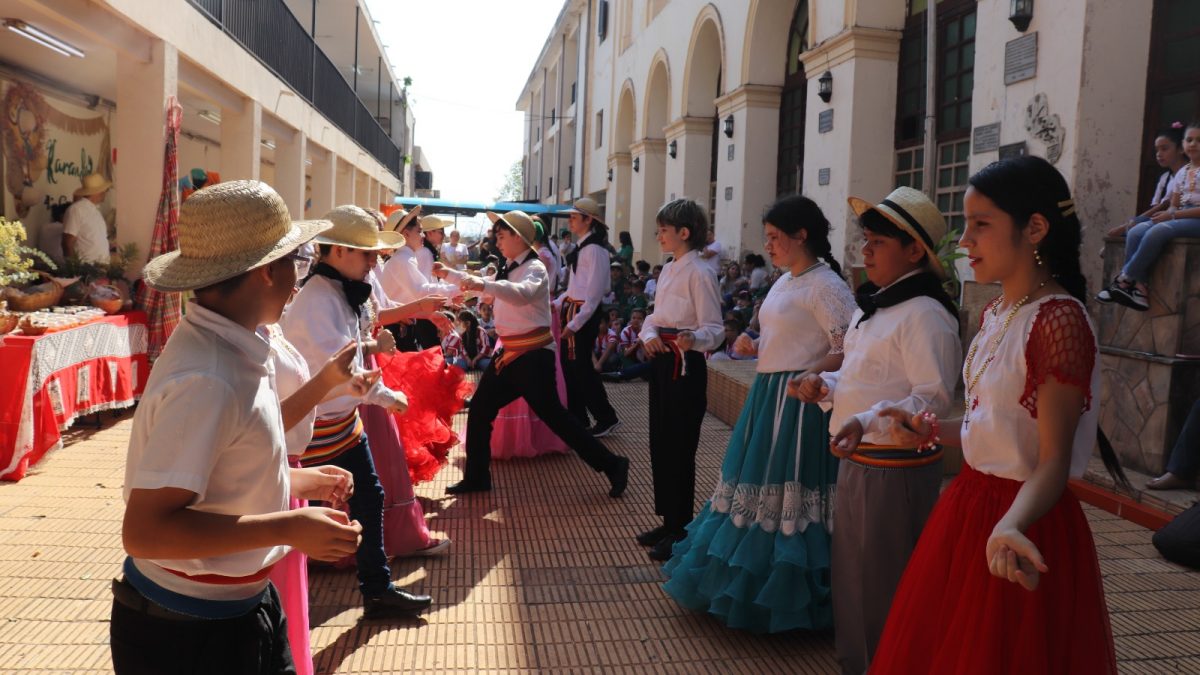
[(468, 208)]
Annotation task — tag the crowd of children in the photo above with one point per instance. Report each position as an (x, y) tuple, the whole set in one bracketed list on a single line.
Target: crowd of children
[(827, 511)]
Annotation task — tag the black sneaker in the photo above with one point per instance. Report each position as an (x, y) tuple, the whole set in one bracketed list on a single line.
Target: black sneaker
[(662, 550), (652, 537), (1105, 296), (395, 602), (1132, 297), (618, 476), (602, 429)]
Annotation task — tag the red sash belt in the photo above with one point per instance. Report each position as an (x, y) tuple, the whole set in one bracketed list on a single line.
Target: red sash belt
[(221, 579), (570, 307), (670, 337), (516, 345)]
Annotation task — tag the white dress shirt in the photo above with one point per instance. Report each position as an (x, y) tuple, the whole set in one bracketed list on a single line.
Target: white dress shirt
[(318, 323), (589, 282), (291, 372), (546, 255), (906, 356), (403, 281), (687, 299), (713, 262), (425, 261), (522, 302), (803, 319), (85, 222), (209, 423)]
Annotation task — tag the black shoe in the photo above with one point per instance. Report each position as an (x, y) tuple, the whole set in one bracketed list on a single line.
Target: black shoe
[(662, 550), (602, 429), (618, 475), (652, 537), (1130, 296), (463, 487), (395, 602), (611, 377)]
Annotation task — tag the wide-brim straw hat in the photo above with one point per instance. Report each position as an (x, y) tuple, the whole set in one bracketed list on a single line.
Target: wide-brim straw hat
[(586, 206), (430, 223), (93, 184), (911, 211), (225, 230), (519, 221), (399, 219), (353, 227)]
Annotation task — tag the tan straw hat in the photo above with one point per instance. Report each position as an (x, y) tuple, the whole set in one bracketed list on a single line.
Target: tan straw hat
[(429, 223), (586, 206), (355, 228), (399, 219), (93, 184), (225, 230), (520, 222), (911, 211)]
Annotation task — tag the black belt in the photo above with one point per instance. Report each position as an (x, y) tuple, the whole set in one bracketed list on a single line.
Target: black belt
[(124, 593)]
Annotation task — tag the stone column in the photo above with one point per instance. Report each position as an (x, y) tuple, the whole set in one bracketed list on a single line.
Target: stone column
[(617, 205), (139, 140), (688, 173), (241, 138), (324, 182), (746, 183), (647, 194), (345, 181), (289, 171)]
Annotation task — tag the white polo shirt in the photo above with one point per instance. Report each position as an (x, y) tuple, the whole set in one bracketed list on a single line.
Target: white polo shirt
[(209, 423), (85, 222)]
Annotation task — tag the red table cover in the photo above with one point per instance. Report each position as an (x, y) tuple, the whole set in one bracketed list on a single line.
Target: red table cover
[(47, 381)]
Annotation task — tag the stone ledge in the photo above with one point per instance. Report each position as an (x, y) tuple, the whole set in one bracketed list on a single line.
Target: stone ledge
[(1149, 508)]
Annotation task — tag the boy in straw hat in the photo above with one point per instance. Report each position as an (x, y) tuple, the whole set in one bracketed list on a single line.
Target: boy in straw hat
[(332, 308), (524, 368), (85, 234), (206, 477), (902, 350)]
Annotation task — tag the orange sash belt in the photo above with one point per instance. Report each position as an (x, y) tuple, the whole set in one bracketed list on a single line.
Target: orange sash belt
[(894, 456), (516, 345), (570, 307), (222, 580)]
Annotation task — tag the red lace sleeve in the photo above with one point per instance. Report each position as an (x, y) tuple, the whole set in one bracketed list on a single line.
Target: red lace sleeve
[(1061, 344)]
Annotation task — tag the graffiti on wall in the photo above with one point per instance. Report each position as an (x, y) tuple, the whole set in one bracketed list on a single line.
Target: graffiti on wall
[(1045, 126)]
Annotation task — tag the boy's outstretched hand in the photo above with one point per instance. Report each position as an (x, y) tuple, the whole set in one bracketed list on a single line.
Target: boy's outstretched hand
[(327, 483)]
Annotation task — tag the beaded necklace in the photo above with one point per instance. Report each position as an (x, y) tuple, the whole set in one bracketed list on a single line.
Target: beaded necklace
[(973, 380)]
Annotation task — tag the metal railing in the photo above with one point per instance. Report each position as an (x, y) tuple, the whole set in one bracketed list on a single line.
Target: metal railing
[(268, 30)]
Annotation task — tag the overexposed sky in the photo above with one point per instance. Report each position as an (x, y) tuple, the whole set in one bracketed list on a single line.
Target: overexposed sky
[(468, 60)]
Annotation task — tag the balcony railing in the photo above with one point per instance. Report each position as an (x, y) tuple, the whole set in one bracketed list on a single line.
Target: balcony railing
[(268, 30)]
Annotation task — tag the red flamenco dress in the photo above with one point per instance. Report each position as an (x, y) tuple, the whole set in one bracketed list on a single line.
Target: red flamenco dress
[(435, 393), (950, 615)]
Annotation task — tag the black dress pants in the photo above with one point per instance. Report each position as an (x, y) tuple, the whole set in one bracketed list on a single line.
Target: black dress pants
[(585, 389), (531, 377), (677, 406)]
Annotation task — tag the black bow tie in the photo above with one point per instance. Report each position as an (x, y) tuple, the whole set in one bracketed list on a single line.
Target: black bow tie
[(511, 265), (357, 292), (871, 299)]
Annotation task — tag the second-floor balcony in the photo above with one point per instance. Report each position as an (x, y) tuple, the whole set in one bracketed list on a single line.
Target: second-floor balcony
[(270, 31)]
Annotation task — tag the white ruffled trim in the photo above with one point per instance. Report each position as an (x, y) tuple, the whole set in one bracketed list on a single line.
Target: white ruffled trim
[(784, 507)]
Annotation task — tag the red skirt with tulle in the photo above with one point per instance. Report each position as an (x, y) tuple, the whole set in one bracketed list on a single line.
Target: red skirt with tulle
[(435, 393), (950, 615)]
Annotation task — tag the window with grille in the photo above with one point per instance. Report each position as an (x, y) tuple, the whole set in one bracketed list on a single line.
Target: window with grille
[(952, 174), (793, 102), (910, 168)]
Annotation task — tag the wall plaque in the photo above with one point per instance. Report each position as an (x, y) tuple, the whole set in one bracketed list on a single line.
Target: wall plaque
[(823, 176), (1020, 58), (985, 138), (825, 121), (728, 194), (729, 153), (1013, 150)]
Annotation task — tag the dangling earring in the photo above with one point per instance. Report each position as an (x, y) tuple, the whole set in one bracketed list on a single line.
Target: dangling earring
[(1037, 257)]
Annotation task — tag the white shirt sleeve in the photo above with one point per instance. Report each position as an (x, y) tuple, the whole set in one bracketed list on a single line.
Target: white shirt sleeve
[(403, 281), (932, 362), (710, 332), (523, 292), (593, 278)]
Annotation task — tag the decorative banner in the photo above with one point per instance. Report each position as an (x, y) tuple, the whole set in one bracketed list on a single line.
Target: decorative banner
[(48, 147)]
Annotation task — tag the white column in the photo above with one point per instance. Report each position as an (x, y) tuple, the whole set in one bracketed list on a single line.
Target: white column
[(345, 182), (617, 203), (139, 140), (324, 183), (647, 194), (746, 184), (241, 136), (289, 171), (688, 173)]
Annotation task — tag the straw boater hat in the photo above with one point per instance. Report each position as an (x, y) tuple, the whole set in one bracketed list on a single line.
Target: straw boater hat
[(430, 223), (911, 211), (225, 230), (519, 221), (399, 219), (586, 206), (353, 227), (93, 184)]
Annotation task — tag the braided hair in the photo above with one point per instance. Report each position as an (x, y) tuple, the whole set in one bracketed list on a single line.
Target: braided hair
[(792, 214)]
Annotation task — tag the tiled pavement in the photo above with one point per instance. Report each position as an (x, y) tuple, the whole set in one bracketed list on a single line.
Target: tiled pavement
[(543, 577)]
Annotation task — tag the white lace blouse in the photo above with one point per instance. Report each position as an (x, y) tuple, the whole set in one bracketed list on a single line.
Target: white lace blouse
[(1051, 336), (803, 319)]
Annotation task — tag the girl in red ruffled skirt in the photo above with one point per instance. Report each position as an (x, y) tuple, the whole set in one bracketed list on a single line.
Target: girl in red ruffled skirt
[(1005, 577)]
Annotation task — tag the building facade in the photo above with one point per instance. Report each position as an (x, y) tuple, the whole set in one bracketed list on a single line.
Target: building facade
[(737, 102), (297, 93)]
